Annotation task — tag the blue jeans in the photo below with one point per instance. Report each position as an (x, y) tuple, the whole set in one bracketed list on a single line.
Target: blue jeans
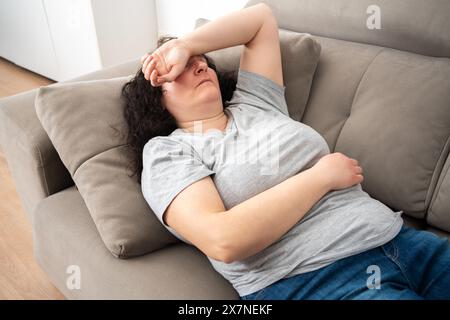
[(415, 265)]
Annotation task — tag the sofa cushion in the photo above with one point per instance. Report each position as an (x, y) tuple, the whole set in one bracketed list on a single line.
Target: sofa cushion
[(300, 54), (40, 172), (390, 110), (84, 120)]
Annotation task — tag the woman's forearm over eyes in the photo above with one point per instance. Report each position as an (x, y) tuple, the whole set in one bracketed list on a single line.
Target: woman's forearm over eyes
[(258, 222), (236, 28)]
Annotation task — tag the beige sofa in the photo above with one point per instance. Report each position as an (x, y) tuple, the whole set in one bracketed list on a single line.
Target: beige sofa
[(381, 96)]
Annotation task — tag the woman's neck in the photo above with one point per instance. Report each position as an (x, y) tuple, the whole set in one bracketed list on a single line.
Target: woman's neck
[(218, 121)]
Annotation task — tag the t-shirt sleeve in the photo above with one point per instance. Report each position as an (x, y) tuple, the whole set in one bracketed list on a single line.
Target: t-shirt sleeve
[(169, 166), (255, 90)]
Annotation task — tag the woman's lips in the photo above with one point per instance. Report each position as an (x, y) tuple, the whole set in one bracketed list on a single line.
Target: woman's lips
[(204, 81)]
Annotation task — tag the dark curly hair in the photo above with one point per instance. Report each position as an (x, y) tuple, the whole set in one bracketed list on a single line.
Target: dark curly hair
[(147, 118)]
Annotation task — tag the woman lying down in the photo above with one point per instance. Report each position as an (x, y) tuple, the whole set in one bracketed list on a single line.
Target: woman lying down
[(227, 170)]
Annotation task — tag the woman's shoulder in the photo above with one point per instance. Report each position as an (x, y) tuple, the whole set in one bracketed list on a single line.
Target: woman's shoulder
[(161, 142), (255, 90), (165, 144)]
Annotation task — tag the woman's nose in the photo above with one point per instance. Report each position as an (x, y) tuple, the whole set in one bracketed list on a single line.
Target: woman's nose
[(201, 67)]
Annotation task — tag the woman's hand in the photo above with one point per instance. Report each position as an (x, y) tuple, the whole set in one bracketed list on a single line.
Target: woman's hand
[(339, 171), (166, 63)]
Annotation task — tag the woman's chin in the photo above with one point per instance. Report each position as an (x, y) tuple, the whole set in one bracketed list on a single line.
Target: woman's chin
[(209, 94)]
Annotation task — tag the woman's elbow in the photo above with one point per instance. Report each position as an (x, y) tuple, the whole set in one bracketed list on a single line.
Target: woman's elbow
[(267, 10), (222, 249), (226, 258)]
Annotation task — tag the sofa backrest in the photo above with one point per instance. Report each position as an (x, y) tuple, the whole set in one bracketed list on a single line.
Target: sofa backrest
[(382, 96), (416, 26)]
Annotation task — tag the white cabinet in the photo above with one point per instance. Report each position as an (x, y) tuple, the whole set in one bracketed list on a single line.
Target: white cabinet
[(62, 39), (25, 38)]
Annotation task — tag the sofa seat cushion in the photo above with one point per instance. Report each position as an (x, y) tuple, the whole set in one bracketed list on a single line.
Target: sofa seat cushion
[(67, 241)]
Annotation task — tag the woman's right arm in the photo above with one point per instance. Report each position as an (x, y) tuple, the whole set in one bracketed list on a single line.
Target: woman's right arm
[(198, 214)]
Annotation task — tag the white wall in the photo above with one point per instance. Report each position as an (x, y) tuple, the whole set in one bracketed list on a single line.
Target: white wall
[(63, 39), (123, 37), (177, 17)]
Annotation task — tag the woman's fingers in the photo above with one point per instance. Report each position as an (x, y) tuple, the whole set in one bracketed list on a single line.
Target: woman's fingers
[(161, 66), (145, 56), (173, 73), (145, 67), (359, 170), (155, 62), (153, 78), (146, 62), (150, 67)]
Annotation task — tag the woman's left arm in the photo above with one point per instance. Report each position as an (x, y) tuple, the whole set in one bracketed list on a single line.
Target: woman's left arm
[(254, 27)]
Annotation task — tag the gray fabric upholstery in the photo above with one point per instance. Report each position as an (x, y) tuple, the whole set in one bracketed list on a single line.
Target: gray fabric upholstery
[(438, 213), (347, 81), (388, 109), (410, 25), (35, 165), (176, 272), (96, 156)]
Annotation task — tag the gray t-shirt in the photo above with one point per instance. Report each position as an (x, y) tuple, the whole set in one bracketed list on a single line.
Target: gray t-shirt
[(261, 147)]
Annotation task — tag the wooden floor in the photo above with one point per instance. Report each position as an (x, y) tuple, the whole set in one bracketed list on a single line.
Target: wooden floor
[(20, 275)]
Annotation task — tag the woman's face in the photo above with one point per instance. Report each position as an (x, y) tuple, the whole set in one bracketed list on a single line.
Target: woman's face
[(195, 93)]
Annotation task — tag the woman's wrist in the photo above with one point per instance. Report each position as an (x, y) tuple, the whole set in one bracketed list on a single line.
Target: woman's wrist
[(320, 177), (186, 44)]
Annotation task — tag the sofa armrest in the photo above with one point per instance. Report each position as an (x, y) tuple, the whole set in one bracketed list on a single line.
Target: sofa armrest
[(35, 166)]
